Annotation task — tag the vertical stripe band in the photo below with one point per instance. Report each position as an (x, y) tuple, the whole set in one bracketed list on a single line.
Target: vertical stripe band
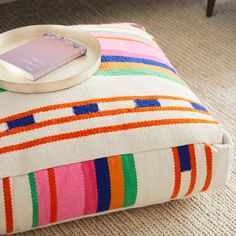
[(8, 205), (177, 172), (193, 169), (103, 184), (34, 197), (117, 182), (208, 154), (130, 178), (53, 195), (91, 192)]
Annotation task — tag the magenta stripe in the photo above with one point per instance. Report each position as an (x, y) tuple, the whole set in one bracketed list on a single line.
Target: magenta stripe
[(136, 55), (70, 191), (41, 178), (91, 199)]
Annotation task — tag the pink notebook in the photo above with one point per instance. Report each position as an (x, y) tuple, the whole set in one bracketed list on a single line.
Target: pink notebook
[(42, 55)]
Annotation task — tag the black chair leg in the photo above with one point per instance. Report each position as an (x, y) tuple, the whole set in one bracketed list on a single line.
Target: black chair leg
[(210, 7)]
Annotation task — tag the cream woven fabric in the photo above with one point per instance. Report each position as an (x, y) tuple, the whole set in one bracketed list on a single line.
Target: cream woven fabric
[(133, 135)]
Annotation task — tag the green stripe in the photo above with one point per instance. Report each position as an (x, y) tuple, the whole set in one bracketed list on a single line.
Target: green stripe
[(125, 33), (137, 71), (2, 90), (34, 196), (130, 180)]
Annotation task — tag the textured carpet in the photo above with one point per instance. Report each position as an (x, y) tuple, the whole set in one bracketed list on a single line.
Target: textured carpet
[(203, 50)]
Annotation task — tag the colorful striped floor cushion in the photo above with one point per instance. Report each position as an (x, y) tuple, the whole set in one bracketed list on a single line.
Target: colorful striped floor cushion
[(133, 135)]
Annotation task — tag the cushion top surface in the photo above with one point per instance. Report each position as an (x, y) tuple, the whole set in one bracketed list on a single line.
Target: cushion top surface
[(135, 102)]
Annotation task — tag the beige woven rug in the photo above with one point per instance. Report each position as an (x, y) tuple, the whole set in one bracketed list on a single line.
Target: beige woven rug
[(203, 50)]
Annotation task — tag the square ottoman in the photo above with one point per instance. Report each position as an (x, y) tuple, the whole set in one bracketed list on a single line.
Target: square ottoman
[(132, 135)]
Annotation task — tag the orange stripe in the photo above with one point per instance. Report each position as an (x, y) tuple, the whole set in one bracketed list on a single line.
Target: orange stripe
[(117, 182), (66, 119), (8, 205), (193, 169), (100, 130), (127, 65), (100, 100), (208, 154), (127, 39), (177, 172), (53, 195)]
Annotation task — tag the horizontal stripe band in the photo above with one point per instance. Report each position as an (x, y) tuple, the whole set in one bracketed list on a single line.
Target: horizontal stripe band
[(133, 35), (137, 36), (127, 39), (122, 32), (131, 65), (138, 71), (127, 52), (102, 130), (81, 103), (136, 60), (94, 115)]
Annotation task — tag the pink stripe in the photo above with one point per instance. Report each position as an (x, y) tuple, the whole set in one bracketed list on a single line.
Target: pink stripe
[(133, 54), (41, 178), (124, 35), (90, 187), (70, 191), (131, 47)]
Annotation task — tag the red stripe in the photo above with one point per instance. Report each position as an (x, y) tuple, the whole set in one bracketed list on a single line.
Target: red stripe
[(53, 194), (94, 115), (102, 130), (8, 205), (177, 172), (208, 154), (193, 169), (99, 100)]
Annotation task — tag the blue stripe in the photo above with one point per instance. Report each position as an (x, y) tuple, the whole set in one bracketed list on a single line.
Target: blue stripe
[(147, 103), (184, 157), (28, 120), (85, 109), (103, 184), (136, 60), (198, 107)]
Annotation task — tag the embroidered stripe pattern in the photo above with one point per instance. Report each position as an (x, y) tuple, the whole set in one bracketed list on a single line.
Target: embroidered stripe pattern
[(112, 102), (140, 137), (78, 111), (108, 183), (130, 40), (101, 130), (185, 161)]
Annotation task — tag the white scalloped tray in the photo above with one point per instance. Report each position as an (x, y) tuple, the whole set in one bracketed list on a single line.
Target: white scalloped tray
[(64, 77)]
